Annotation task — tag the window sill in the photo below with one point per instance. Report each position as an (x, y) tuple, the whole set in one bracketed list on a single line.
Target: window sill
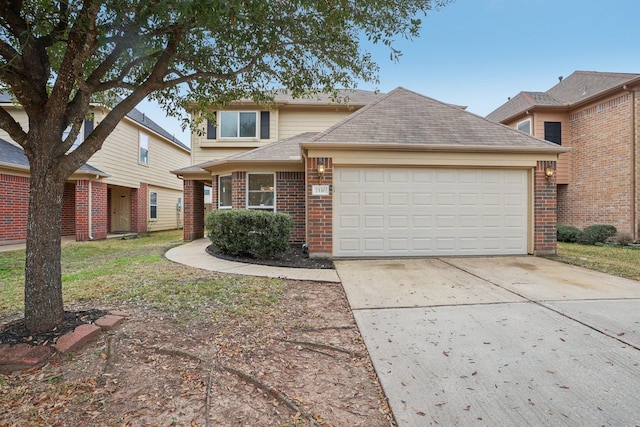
[(226, 143)]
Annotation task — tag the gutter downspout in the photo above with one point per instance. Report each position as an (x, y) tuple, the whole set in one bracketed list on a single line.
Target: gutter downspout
[(633, 161)]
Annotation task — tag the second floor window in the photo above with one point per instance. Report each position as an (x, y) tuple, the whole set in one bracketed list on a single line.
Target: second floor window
[(238, 124), (525, 126), (144, 148)]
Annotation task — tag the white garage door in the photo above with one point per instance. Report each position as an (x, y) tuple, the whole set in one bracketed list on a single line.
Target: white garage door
[(429, 212)]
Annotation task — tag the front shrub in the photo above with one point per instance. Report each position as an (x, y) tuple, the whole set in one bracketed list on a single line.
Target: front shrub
[(249, 232), (597, 233), (623, 239), (568, 233)]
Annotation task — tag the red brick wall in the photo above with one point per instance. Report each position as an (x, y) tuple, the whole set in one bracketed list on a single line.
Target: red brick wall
[(139, 208), (239, 190), (82, 210), (290, 200), (193, 210), (545, 214), (319, 209), (599, 190), (14, 206), (99, 210), (68, 223)]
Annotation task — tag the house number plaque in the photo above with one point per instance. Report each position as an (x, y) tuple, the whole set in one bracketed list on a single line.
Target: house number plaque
[(319, 190)]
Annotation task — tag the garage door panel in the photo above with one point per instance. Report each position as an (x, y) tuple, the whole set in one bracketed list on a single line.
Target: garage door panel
[(429, 212)]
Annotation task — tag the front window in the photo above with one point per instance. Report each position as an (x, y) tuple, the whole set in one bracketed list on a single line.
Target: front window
[(525, 126), (261, 191), (238, 124), (144, 148), (153, 205), (224, 192)]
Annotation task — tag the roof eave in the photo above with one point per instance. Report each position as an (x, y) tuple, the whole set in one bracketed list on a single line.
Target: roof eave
[(435, 148), (231, 163)]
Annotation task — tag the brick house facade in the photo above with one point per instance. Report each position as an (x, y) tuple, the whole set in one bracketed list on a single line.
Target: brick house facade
[(599, 117), (306, 169)]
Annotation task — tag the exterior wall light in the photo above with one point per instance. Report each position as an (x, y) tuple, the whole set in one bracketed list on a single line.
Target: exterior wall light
[(548, 173), (321, 170)]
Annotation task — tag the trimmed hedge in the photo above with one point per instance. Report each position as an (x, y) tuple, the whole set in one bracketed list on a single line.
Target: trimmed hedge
[(249, 232), (568, 233), (597, 233)]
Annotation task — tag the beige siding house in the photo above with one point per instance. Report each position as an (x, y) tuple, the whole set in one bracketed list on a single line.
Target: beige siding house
[(405, 175), (597, 116), (128, 182)]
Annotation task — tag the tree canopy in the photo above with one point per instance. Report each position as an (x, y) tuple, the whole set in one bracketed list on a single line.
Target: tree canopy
[(56, 57)]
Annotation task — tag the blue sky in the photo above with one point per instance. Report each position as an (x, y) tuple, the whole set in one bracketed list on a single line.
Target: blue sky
[(480, 52)]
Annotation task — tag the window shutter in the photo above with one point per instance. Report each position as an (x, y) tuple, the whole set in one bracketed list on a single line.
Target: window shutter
[(553, 132), (264, 125), (211, 129), (88, 127)]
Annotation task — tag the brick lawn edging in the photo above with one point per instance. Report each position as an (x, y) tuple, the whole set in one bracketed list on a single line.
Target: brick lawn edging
[(25, 356)]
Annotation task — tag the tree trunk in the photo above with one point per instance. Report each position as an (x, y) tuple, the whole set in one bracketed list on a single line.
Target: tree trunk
[(43, 307)]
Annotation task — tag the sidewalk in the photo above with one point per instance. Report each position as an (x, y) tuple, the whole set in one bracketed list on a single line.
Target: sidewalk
[(194, 254)]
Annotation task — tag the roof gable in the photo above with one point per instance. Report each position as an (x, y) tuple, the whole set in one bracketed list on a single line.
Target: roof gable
[(403, 117), (579, 86)]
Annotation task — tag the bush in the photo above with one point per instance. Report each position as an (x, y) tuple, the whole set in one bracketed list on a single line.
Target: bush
[(249, 232), (598, 233), (568, 233)]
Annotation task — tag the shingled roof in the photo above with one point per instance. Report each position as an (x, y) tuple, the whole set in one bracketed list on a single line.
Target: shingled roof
[(403, 117), (578, 87), (13, 156)]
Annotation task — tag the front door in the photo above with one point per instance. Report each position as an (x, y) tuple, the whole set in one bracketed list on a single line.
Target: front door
[(120, 209)]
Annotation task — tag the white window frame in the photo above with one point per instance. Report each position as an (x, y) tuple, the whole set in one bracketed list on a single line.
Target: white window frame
[(264, 207), (151, 204), (528, 123), (220, 205), (143, 148), (222, 114)]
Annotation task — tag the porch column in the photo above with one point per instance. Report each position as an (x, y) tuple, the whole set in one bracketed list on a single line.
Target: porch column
[(99, 210), (82, 210), (193, 210), (545, 211), (139, 204)]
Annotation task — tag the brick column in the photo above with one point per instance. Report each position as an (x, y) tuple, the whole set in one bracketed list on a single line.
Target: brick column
[(68, 219), (239, 190), (82, 210), (193, 210), (319, 210), (99, 210), (545, 215), (139, 205)]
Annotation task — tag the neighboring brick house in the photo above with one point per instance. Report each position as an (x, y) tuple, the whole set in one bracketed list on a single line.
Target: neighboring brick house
[(125, 187), (597, 115), (405, 175)]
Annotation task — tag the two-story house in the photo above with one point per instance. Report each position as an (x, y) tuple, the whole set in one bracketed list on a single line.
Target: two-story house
[(125, 187), (403, 175), (597, 115)]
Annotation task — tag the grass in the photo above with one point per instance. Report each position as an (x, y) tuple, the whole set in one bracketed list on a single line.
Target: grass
[(616, 260), (135, 270)]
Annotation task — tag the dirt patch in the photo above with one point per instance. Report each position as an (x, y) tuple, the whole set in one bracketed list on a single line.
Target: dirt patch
[(302, 364)]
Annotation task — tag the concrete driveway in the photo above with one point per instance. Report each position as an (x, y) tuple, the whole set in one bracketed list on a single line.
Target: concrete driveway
[(499, 341)]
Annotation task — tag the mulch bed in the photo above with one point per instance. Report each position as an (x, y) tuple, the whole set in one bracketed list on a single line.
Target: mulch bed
[(293, 257)]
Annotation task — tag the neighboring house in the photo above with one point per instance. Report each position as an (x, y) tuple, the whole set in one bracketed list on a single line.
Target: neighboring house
[(125, 187), (597, 115), (406, 175)]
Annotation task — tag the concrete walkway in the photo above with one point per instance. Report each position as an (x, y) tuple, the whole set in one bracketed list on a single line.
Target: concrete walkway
[(501, 341), (194, 254)]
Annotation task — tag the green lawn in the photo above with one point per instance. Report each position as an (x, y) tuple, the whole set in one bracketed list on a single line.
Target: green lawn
[(135, 270), (616, 260)]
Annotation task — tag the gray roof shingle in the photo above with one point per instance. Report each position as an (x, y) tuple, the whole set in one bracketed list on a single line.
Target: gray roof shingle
[(404, 117), (579, 86), (12, 155)]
